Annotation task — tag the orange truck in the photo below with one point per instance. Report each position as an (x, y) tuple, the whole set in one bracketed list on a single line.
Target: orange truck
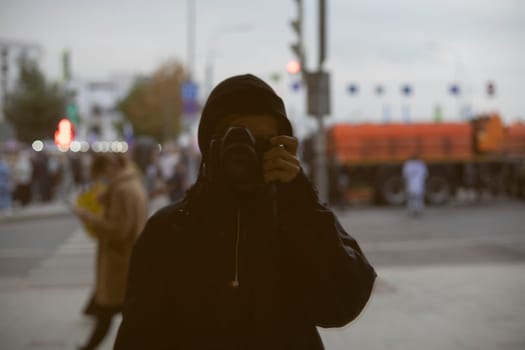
[(482, 154)]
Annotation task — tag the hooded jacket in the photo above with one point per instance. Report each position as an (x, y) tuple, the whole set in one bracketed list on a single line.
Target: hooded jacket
[(217, 272), (241, 94), (181, 293)]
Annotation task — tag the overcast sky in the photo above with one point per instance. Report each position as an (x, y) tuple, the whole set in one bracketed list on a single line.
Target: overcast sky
[(427, 43)]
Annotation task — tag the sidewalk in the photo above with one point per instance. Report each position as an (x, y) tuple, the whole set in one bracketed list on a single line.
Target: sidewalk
[(466, 306), (60, 208), (36, 211)]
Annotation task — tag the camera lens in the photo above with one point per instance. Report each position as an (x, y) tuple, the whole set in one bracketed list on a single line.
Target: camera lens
[(240, 163), (236, 160)]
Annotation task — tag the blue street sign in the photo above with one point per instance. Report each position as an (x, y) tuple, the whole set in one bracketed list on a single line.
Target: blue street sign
[(353, 89), (406, 90), (190, 107), (454, 89), (189, 91)]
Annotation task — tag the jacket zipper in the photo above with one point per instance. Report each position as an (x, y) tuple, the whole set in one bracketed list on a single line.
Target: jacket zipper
[(235, 282)]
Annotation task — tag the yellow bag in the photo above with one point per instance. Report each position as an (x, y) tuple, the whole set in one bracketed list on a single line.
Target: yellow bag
[(89, 200)]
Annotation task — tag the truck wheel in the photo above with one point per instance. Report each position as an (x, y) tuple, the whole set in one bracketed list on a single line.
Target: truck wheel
[(438, 189), (521, 186), (393, 190), (514, 187)]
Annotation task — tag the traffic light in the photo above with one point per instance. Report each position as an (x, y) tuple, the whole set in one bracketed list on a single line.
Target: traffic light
[(491, 89), (72, 113), (64, 134), (293, 67), (297, 26), (322, 32)]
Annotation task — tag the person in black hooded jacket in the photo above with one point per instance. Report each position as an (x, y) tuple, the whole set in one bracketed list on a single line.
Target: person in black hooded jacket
[(244, 267)]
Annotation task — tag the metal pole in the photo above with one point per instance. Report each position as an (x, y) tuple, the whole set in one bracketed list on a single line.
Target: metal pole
[(189, 119), (191, 37), (322, 32), (4, 64), (322, 171), (209, 75), (212, 52)]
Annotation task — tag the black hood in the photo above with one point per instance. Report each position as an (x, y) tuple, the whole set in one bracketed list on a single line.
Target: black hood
[(241, 94)]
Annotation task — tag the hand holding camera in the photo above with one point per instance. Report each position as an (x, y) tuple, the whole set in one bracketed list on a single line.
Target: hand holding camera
[(280, 163), (244, 163)]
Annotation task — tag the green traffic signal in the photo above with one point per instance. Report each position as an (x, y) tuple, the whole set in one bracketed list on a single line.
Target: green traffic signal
[(72, 113)]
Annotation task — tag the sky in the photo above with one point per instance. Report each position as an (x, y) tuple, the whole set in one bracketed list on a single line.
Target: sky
[(428, 44)]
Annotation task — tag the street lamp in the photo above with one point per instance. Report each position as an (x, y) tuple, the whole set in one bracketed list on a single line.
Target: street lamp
[(212, 51)]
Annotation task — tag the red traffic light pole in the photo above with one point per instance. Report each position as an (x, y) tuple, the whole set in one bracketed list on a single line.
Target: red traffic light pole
[(318, 87), (64, 134)]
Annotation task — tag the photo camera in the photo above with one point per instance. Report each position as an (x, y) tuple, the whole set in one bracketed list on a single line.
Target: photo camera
[(235, 160)]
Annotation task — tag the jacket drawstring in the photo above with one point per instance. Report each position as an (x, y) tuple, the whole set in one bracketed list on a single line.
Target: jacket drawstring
[(235, 282)]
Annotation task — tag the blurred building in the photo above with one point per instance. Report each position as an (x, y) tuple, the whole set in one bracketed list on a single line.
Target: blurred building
[(93, 101), (96, 105), (11, 51)]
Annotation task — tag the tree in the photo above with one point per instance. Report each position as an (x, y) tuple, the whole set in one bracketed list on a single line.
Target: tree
[(35, 106), (154, 105)]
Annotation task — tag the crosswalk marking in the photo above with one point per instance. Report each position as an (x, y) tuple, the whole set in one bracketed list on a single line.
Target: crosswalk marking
[(79, 243), (437, 243), (76, 244)]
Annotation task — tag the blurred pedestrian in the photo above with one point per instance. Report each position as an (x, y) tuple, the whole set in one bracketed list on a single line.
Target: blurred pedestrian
[(168, 161), (153, 175), (5, 187), (22, 175), (41, 179), (92, 199), (78, 172), (56, 172), (338, 185), (415, 174), (124, 215), (249, 259), (177, 184)]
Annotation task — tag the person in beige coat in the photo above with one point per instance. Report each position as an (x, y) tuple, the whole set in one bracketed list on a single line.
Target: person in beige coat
[(124, 216)]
